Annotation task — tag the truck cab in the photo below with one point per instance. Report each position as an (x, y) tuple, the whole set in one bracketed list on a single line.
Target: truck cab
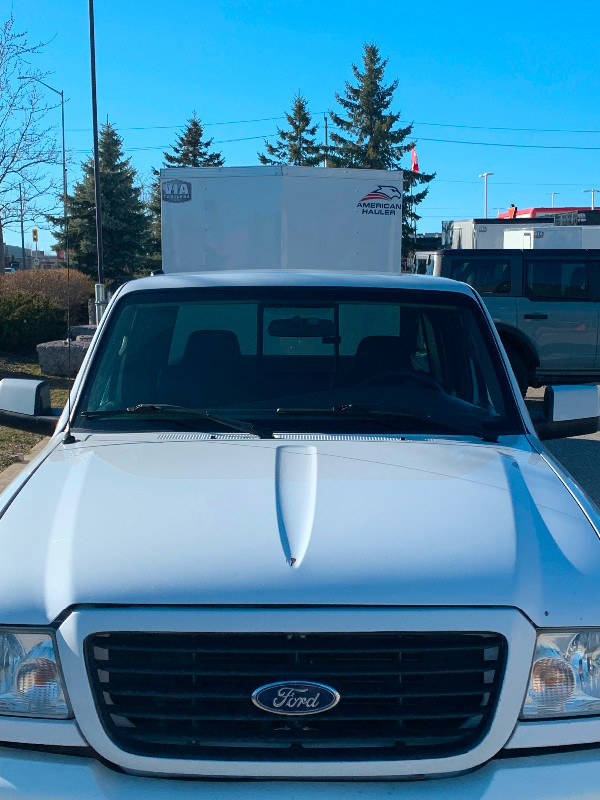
[(295, 533)]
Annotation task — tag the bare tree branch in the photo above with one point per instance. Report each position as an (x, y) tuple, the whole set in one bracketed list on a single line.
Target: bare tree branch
[(28, 146)]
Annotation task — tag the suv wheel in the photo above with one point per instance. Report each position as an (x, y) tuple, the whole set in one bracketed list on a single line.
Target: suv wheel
[(520, 368)]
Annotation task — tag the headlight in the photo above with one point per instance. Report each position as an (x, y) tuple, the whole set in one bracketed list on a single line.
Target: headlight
[(30, 681), (565, 676)]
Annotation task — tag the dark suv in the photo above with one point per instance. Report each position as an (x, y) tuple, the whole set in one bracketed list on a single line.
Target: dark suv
[(545, 304)]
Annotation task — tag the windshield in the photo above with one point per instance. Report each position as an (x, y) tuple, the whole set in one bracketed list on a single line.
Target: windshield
[(345, 360)]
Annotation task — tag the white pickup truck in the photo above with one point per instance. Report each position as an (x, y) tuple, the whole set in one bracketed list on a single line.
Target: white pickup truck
[(296, 536)]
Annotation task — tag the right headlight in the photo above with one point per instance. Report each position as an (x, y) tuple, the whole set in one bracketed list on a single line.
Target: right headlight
[(31, 684), (565, 676)]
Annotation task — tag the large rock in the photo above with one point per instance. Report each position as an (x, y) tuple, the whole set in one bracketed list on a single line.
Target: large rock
[(81, 330), (63, 358)]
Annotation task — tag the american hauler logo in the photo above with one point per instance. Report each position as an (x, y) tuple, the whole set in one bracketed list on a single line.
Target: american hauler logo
[(176, 191), (295, 697), (385, 200)]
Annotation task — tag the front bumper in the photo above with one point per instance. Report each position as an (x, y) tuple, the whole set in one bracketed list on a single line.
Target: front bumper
[(28, 775)]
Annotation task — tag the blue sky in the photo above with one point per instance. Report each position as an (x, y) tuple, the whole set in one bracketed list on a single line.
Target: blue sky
[(464, 70)]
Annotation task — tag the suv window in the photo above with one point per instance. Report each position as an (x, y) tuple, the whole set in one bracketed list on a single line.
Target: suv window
[(557, 280), (487, 275)]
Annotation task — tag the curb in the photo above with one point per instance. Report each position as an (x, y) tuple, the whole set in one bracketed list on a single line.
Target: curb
[(10, 473)]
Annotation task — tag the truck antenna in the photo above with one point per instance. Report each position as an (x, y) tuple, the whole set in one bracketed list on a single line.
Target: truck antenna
[(68, 438)]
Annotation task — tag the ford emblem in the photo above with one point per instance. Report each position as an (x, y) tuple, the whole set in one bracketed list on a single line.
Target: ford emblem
[(295, 697)]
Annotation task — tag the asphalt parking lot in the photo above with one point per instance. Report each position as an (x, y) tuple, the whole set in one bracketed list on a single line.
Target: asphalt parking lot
[(580, 455)]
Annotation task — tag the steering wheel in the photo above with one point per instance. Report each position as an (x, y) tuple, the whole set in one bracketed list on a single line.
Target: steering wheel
[(405, 375)]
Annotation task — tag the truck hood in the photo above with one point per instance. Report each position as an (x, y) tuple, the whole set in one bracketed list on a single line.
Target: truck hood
[(182, 519)]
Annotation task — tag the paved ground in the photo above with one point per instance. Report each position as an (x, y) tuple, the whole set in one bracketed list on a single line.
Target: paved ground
[(580, 455), (7, 475)]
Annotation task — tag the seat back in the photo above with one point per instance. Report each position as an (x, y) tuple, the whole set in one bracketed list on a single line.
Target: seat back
[(208, 373), (377, 354)]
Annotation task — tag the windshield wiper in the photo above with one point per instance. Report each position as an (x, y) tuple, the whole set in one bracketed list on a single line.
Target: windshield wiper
[(196, 413), (381, 414)]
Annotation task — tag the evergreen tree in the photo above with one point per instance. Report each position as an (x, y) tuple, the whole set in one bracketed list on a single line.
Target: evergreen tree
[(296, 146), (367, 136), (154, 222), (191, 150), (124, 222)]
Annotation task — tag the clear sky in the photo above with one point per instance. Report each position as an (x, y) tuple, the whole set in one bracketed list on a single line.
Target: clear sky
[(509, 88)]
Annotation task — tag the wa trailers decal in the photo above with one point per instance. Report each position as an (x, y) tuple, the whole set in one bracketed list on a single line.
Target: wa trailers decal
[(176, 191)]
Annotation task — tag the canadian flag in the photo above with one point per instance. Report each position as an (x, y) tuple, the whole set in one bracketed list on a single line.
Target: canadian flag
[(414, 160)]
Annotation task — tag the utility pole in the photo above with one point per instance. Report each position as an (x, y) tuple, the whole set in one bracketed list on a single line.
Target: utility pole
[(23, 263), (326, 141), (485, 176), (100, 288), (593, 191)]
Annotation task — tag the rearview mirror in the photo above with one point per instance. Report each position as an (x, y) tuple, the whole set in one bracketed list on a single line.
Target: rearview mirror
[(298, 327), (568, 411)]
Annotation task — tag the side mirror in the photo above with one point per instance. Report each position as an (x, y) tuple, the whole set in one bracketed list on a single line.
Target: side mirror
[(25, 405), (568, 411)]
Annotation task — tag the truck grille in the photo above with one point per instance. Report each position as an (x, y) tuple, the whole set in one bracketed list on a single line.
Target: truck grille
[(403, 695)]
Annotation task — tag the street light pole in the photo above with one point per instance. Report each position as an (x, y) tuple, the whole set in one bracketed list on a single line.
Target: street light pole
[(61, 94), (485, 175), (100, 289), (593, 191), (552, 196)]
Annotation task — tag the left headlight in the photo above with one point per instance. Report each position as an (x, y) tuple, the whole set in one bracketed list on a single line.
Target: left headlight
[(565, 676), (31, 684)]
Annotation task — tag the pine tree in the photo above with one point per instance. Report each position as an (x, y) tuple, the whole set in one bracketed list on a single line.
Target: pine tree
[(124, 222), (191, 150), (154, 222), (367, 137), (296, 146)]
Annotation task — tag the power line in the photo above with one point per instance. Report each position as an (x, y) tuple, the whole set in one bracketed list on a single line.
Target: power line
[(319, 113), (168, 146), (172, 127), (416, 138), (509, 183), (522, 146), (491, 128)]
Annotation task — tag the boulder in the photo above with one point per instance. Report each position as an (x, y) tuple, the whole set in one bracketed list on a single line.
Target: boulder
[(81, 330), (63, 358)]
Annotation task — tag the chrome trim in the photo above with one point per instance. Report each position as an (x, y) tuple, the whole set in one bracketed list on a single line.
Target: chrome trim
[(510, 622)]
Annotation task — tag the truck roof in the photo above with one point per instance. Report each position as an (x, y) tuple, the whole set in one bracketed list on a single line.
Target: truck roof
[(295, 278)]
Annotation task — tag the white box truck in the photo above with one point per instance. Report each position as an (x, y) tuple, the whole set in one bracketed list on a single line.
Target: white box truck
[(281, 217)]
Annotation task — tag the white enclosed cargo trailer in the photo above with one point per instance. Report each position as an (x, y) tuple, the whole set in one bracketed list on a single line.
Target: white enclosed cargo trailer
[(219, 218), (562, 237)]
